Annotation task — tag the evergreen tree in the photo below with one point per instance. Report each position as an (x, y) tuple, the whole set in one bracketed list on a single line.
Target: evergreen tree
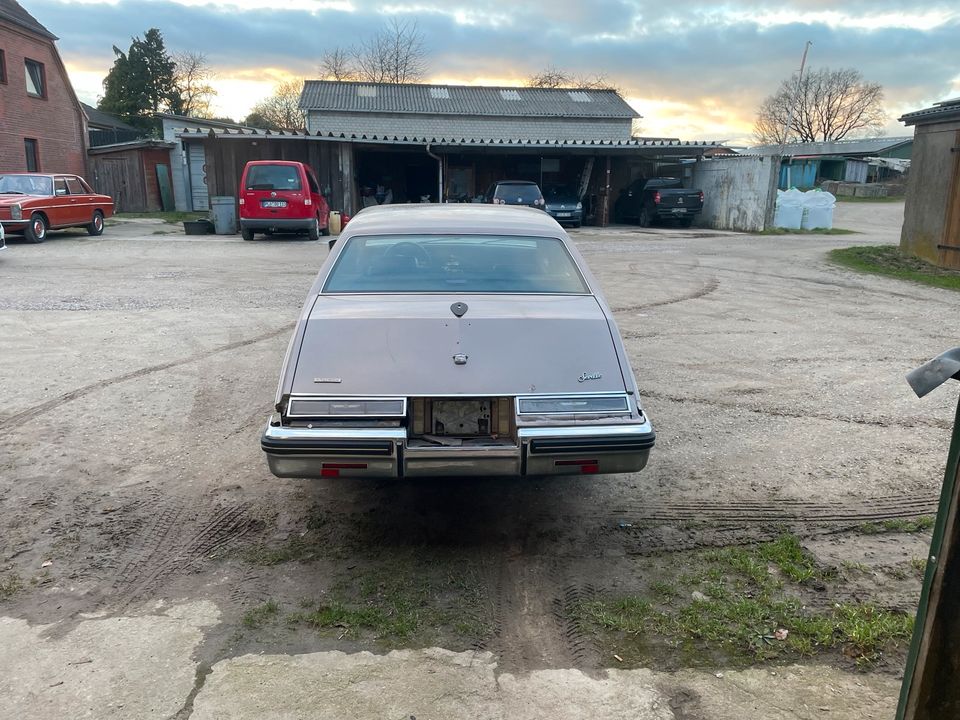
[(141, 82)]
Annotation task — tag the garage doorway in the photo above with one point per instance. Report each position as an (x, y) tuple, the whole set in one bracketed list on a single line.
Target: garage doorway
[(385, 177)]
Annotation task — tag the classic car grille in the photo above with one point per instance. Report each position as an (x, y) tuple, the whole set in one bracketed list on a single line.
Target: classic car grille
[(551, 446)]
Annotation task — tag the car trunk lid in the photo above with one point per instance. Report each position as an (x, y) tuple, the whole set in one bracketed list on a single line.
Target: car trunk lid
[(416, 345)]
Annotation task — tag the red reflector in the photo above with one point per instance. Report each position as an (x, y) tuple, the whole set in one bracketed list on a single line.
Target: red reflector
[(345, 466), (587, 467), (701, 196), (656, 197), (329, 472)]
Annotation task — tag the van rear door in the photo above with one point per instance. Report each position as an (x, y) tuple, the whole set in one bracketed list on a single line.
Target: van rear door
[(274, 191)]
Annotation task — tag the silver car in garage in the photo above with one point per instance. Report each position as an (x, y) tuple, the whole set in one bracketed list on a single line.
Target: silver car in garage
[(461, 339)]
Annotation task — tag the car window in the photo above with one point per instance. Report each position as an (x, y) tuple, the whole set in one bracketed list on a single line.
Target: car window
[(26, 184), (86, 187), (273, 177), (526, 193), (60, 186), (312, 182), (74, 185), (461, 263)]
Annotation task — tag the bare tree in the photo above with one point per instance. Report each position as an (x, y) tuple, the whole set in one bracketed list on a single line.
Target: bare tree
[(552, 77), (280, 111), (338, 64), (825, 105), (396, 54), (192, 75)]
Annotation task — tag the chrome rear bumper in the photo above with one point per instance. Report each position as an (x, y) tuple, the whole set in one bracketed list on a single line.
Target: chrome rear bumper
[(299, 452)]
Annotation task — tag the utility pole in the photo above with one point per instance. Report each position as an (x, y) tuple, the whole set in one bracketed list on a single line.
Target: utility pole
[(793, 106)]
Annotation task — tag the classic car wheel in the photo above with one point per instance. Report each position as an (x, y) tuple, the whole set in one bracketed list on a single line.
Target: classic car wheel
[(36, 231), (314, 231), (644, 219), (246, 233), (96, 225)]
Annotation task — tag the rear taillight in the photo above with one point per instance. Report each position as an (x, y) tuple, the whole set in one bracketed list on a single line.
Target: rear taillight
[(656, 197), (701, 195), (587, 467), (307, 201), (242, 201)]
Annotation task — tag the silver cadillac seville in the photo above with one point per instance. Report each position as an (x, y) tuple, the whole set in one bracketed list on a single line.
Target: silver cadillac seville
[(459, 339)]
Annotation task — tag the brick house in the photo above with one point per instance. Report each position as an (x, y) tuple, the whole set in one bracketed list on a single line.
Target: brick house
[(42, 126)]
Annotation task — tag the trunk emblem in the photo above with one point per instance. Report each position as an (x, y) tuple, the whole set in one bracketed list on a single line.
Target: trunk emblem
[(459, 359), (590, 376), (459, 309), (273, 194)]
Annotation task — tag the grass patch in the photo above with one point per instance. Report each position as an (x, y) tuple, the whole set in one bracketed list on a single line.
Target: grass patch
[(919, 566), (295, 549), (404, 602), (172, 217), (746, 606), (802, 231), (260, 615), (855, 199), (903, 525), (10, 585), (888, 260)]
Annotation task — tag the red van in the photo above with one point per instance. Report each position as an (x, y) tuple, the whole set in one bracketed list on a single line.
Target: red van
[(281, 196)]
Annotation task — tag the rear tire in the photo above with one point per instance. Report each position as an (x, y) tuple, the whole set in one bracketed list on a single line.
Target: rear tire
[(246, 233), (36, 231), (644, 219), (325, 230), (313, 232), (96, 225)]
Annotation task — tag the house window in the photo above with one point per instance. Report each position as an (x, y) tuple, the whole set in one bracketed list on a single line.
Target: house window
[(33, 157), (36, 78), (3, 68)]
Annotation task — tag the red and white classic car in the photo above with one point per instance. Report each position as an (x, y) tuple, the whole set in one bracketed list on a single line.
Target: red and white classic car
[(33, 203)]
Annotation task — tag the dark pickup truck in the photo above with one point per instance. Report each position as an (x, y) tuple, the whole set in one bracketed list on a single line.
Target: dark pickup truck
[(648, 199)]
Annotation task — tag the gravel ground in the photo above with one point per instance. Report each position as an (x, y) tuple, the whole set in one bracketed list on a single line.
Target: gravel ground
[(138, 368)]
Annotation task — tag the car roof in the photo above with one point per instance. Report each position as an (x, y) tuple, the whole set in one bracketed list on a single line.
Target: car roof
[(514, 182), (274, 162), (467, 218)]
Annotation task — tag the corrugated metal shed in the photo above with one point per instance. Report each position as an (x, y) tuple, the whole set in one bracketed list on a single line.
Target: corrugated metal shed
[(664, 143), (333, 96), (843, 148)]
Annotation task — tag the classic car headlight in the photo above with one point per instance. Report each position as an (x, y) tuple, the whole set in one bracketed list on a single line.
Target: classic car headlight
[(16, 212), (573, 404), (333, 407)]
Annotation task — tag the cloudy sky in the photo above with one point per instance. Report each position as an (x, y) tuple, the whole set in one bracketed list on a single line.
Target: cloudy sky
[(693, 69)]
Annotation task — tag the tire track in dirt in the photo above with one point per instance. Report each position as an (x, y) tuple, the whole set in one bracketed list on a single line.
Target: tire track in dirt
[(801, 414), (44, 407), (708, 287), (178, 542)]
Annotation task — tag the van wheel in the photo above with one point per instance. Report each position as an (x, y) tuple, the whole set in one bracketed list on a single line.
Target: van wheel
[(246, 233), (644, 219), (313, 232), (325, 230)]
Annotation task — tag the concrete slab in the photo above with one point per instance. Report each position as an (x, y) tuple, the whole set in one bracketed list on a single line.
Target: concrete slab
[(116, 667)]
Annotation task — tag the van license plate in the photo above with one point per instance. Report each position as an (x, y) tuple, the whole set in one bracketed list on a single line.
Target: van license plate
[(679, 211), (559, 214), (273, 203)]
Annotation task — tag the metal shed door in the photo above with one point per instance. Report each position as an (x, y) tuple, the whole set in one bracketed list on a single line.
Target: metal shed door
[(198, 176)]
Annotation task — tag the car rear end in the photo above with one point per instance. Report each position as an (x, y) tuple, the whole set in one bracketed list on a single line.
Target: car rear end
[(519, 193), (677, 203), (274, 196)]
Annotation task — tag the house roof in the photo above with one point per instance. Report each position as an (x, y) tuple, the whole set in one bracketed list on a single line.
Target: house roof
[(99, 119), (13, 12), (844, 148), (945, 110), (335, 96), (202, 121)]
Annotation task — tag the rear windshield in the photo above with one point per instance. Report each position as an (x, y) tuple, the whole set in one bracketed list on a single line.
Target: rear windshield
[(460, 263), (273, 177), (525, 193)]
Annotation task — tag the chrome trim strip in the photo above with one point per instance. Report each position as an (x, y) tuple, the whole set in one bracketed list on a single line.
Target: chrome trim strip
[(347, 398), (585, 431), (297, 433)]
